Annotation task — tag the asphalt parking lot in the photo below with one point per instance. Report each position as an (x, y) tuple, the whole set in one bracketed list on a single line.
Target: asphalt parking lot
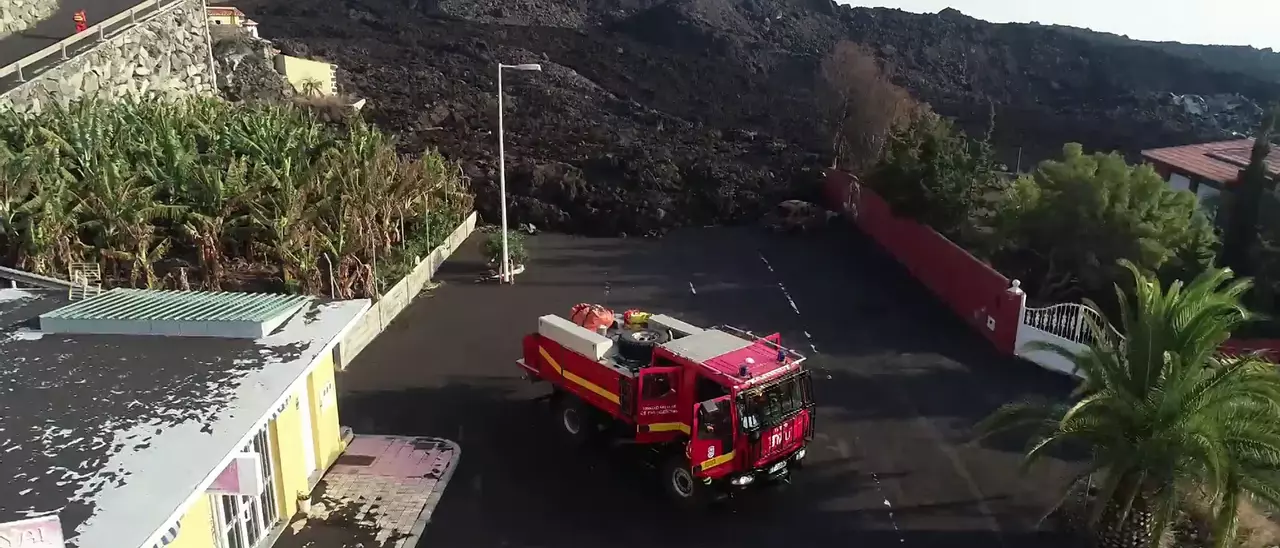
[(898, 381)]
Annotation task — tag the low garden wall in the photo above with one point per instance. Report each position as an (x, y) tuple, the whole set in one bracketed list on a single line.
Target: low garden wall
[(396, 299), (970, 288)]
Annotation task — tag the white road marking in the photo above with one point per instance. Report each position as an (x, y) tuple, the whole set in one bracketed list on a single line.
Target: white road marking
[(692, 289), (956, 463), (841, 446)]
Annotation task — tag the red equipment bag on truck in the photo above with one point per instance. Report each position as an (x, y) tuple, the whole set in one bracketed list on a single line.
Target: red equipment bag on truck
[(591, 316)]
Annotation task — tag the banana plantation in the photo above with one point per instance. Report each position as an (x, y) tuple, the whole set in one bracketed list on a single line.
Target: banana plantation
[(204, 194)]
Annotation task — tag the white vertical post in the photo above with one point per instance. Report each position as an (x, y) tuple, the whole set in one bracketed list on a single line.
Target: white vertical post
[(1079, 327), (504, 275), (1015, 287)]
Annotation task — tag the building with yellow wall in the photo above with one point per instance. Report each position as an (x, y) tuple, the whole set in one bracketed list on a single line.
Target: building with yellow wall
[(180, 419), (305, 75), (231, 17)]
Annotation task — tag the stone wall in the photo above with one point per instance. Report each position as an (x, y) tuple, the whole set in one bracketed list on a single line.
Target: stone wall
[(165, 55), (20, 15)]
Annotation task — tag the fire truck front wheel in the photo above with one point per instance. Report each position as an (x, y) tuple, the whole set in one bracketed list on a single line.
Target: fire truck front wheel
[(680, 484)]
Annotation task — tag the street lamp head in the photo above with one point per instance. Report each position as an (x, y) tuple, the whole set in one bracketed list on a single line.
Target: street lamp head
[(524, 66)]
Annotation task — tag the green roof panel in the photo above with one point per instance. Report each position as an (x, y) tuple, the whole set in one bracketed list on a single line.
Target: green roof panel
[(184, 313)]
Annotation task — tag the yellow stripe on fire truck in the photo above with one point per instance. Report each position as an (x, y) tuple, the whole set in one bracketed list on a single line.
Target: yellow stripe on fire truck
[(668, 427), (575, 379), (713, 462)]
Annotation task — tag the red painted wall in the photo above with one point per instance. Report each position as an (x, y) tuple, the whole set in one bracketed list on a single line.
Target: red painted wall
[(1269, 348), (971, 288)]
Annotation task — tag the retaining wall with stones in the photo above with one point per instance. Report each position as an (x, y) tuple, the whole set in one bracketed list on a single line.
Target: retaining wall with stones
[(20, 15), (165, 55)]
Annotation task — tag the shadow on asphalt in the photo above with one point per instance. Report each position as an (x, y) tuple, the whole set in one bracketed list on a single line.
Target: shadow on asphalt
[(899, 383)]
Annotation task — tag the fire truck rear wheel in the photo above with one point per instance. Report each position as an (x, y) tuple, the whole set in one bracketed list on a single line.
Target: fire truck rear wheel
[(576, 420)]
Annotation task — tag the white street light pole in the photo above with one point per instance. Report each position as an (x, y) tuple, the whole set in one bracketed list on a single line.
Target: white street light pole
[(504, 275)]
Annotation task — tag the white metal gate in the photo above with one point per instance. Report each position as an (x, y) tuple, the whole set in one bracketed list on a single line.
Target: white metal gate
[(1066, 325), (244, 521)]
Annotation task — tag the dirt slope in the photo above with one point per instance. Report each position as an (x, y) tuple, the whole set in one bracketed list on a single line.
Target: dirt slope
[(660, 113)]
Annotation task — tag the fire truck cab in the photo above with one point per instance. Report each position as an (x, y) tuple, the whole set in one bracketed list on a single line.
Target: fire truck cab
[(723, 409)]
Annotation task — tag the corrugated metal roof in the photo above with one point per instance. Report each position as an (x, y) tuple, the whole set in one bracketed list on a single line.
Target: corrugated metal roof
[(180, 306), (181, 313), (1219, 162)]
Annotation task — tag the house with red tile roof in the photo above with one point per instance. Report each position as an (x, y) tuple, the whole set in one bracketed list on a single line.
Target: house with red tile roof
[(1208, 168)]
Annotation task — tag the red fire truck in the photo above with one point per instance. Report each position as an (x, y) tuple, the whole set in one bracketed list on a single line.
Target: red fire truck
[(723, 409)]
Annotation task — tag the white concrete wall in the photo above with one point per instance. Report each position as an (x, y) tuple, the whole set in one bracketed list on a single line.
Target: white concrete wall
[(1045, 359), (1206, 192)]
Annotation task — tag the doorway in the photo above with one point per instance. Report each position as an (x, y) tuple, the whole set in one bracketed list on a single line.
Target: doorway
[(304, 425)]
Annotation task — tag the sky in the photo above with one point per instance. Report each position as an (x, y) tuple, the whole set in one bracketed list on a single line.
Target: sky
[(1230, 22)]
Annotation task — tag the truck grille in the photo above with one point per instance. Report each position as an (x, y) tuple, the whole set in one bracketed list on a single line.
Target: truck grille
[(756, 447)]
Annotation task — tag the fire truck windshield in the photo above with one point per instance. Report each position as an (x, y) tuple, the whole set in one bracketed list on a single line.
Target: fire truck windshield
[(771, 404)]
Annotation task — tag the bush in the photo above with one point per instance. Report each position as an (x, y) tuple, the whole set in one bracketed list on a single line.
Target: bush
[(515, 248), (251, 196), (1063, 229)]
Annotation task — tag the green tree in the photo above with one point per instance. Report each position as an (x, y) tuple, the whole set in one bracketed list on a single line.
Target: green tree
[(1166, 418), (931, 172), (1064, 228), (1241, 236)]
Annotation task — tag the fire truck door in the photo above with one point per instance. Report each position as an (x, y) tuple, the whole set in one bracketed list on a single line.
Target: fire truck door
[(712, 442), (658, 405)]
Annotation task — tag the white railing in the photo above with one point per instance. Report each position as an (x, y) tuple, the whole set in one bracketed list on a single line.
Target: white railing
[(1065, 325), (98, 32), (1069, 321), (32, 279)]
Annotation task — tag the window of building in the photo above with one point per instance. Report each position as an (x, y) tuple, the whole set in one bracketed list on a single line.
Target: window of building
[(244, 521)]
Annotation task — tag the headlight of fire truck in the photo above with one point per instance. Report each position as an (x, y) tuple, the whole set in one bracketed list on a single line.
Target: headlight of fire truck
[(742, 480)]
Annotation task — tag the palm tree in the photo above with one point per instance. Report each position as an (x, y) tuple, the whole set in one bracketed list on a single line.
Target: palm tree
[(1166, 417)]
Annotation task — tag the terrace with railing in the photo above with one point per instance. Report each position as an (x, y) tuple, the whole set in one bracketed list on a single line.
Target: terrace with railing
[(18, 72)]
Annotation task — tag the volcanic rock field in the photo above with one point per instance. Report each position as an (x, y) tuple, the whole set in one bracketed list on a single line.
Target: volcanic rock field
[(653, 114)]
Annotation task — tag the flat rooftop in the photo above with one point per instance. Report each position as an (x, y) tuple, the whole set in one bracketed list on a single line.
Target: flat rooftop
[(114, 432)]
